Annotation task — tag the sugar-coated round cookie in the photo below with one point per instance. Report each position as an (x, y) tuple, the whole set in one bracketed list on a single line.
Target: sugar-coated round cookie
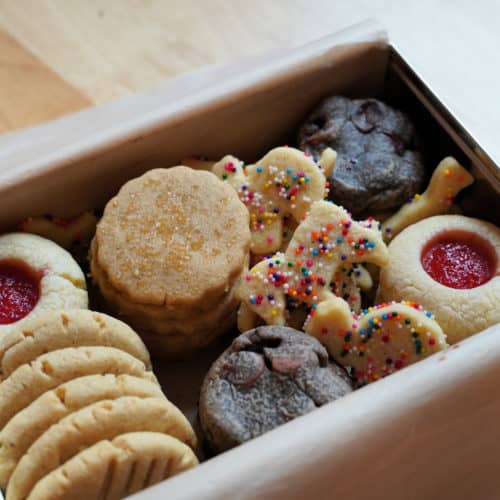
[(36, 274), (115, 469), (267, 377), (169, 250), (450, 264), (86, 427)]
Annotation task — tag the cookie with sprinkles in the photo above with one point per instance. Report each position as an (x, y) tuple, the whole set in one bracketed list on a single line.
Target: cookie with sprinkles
[(378, 342), (446, 182), (283, 184), (326, 241)]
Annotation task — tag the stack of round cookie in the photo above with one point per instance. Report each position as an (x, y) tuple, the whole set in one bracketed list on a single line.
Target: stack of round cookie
[(81, 414), (168, 255)]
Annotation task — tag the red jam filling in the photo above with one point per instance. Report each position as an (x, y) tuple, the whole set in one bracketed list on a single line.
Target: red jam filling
[(19, 290), (459, 262)]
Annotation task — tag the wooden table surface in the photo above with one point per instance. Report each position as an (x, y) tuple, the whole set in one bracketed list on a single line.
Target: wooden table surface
[(59, 56)]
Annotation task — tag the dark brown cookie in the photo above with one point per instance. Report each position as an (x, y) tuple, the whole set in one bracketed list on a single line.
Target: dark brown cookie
[(268, 376), (377, 165)]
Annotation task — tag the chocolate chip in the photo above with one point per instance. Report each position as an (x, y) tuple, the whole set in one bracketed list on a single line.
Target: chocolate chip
[(243, 368), (367, 115)]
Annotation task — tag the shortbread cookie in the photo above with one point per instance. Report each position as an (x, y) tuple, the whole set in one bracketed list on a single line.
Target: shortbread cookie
[(171, 246), (35, 275), (53, 330), (48, 371), (183, 324), (378, 165), (322, 244), (267, 377), (451, 265), (29, 424), (284, 183), (380, 341), (446, 182), (67, 232), (88, 426), (111, 470)]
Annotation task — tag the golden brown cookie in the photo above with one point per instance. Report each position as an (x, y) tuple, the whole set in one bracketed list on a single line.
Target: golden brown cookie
[(111, 470), (48, 371), (451, 265), (169, 250), (29, 424), (53, 330), (88, 426)]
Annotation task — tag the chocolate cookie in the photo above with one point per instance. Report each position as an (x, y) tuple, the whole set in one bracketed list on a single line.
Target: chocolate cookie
[(268, 376), (377, 166)]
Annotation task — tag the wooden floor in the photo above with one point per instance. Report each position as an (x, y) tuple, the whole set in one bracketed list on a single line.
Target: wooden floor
[(58, 56)]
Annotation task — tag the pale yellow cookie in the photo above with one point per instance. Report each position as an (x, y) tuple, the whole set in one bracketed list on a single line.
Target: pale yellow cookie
[(48, 371), (63, 231), (380, 341), (322, 244), (461, 309), (53, 330), (86, 427), (446, 182), (29, 424), (285, 182), (111, 470), (59, 281)]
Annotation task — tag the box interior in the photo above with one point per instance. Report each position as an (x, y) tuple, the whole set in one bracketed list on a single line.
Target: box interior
[(245, 124)]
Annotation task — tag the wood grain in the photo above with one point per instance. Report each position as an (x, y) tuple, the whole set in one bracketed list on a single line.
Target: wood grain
[(108, 48), (30, 91)]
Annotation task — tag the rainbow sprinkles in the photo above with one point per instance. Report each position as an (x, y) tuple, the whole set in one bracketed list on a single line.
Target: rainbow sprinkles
[(324, 243)]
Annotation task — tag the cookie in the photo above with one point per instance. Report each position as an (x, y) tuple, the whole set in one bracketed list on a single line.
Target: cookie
[(348, 283), (53, 330), (29, 424), (48, 371), (326, 241), (283, 184), (88, 426), (451, 265), (35, 275), (446, 182), (378, 167), (267, 377), (378, 342), (170, 248), (114, 469), (66, 232), (184, 324)]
